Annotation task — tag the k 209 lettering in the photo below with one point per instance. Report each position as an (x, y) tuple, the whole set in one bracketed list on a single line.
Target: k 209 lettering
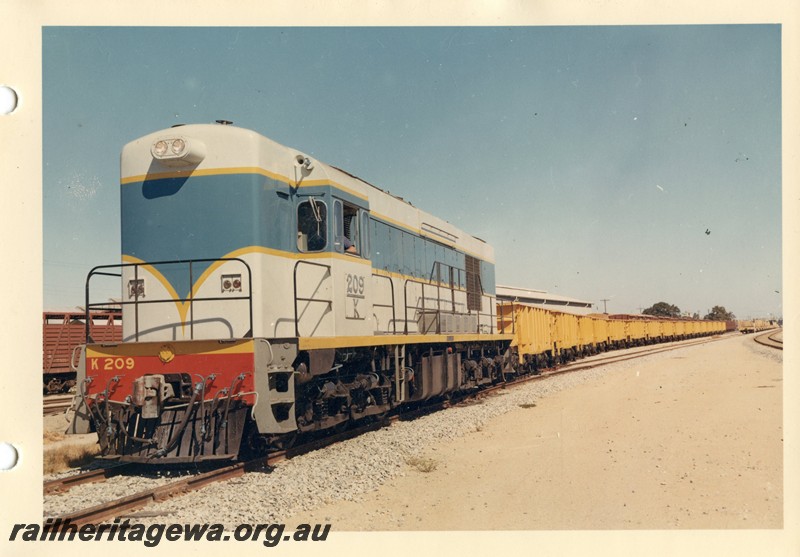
[(112, 364)]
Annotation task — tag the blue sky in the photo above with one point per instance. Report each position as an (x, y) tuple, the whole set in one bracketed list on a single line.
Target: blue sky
[(593, 159)]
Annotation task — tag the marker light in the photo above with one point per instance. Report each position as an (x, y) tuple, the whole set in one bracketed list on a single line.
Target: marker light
[(178, 151), (136, 288), (231, 283)]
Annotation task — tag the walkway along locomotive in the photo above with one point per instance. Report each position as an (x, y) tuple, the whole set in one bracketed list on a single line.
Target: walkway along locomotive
[(266, 294)]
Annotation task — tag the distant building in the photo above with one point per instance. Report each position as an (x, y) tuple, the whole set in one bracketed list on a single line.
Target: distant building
[(544, 300)]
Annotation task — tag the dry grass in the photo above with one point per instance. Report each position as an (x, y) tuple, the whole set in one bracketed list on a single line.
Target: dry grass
[(53, 436), (421, 464), (69, 456)]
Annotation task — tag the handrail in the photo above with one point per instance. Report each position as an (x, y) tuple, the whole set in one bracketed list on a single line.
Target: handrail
[(437, 310), (492, 315), (422, 297), (73, 365), (296, 299), (391, 289), (501, 316), (492, 304), (436, 282), (100, 271), (451, 282)]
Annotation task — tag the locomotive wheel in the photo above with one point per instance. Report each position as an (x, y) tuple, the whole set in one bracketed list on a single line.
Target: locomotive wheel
[(287, 441), (341, 427), (54, 386), (382, 416), (253, 444)]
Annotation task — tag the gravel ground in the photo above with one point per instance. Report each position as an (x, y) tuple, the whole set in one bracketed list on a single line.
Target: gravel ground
[(684, 440), (344, 472), (89, 495)]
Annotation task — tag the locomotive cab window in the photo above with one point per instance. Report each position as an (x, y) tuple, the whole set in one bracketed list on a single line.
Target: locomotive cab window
[(350, 229), (312, 225)]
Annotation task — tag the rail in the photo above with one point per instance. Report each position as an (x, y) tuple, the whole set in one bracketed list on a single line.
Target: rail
[(769, 339), (502, 320), (392, 306), (421, 310), (304, 299), (102, 270), (492, 315), (449, 300)]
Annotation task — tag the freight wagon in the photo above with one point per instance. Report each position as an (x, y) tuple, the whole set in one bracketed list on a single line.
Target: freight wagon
[(63, 333)]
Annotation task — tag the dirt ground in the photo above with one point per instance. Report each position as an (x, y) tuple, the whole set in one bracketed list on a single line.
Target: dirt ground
[(690, 439), (55, 426), (687, 440)]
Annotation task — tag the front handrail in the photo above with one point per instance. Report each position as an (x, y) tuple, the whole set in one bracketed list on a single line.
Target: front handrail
[(101, 270)]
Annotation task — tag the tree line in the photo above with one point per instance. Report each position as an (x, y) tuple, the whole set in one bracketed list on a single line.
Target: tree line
[(663, 309)]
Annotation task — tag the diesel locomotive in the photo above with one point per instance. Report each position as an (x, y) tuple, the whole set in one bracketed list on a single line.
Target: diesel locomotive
[(266, 295)]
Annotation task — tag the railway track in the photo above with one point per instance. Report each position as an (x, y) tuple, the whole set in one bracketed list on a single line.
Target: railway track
[(112, 509), (773, 339), (118, 507), (602, 359), (61, 485), (55, 404), (108, 511)]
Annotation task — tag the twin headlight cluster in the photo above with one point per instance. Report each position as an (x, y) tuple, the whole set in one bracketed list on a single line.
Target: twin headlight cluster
[(178, 151), (175, 147)]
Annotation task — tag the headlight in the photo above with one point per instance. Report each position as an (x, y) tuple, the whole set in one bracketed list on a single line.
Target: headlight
[(178, 146), (160, 148), (178, 151)]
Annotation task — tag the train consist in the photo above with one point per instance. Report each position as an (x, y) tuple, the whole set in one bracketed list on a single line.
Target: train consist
[(544, 338), (266, 294), (755, 325)]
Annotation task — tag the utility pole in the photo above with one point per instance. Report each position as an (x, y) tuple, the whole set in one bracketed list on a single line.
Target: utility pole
[(604, 300)]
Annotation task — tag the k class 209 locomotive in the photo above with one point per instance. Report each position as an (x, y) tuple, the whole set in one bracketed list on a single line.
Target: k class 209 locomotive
[(266, 294)]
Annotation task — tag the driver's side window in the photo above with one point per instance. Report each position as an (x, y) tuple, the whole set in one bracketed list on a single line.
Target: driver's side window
[(312, 225)]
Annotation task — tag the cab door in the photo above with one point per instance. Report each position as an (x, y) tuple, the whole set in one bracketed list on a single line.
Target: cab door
[(353, 269)]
